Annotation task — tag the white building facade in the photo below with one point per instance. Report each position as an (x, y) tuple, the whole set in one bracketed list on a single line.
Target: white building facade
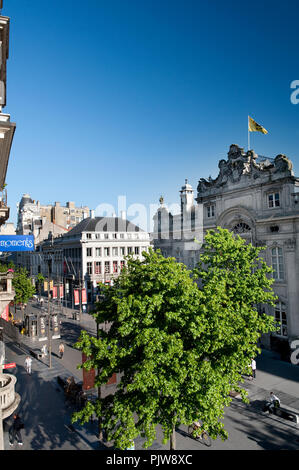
[(91, 253)]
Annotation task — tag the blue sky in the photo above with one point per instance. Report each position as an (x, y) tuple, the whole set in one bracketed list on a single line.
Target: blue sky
[(130, 97)]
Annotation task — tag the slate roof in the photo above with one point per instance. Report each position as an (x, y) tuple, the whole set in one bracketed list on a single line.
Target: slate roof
[(103, 224)]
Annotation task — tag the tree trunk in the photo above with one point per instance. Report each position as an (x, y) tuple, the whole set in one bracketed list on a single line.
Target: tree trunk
[(173, 439)]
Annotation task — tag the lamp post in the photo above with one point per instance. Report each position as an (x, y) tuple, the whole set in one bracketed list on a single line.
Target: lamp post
[(49, 316)]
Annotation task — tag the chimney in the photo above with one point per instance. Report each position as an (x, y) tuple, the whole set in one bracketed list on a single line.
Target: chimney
[(92, 214)]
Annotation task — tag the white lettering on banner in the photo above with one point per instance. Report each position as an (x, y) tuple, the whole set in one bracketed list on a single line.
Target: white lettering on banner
[(18, 243)]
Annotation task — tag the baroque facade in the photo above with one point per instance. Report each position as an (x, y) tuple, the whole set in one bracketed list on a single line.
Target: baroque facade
[(258, 199)]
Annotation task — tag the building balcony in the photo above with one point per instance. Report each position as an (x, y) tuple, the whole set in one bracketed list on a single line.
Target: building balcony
[(9, 399), (7, 294)]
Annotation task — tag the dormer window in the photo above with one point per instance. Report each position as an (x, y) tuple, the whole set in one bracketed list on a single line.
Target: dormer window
[(273, 200)]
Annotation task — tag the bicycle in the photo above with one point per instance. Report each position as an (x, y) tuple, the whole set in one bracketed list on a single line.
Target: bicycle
[(203, 436)]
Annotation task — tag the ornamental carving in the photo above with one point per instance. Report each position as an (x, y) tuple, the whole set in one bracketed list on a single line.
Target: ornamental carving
[(241, 164)]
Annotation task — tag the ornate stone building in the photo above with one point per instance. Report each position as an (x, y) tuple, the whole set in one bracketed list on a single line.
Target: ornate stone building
[(33, 217), (257, 198)]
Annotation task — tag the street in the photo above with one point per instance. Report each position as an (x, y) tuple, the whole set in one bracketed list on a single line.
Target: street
[(47, 417)]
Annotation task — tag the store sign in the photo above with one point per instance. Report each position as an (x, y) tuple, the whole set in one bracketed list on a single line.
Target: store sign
[(12, 365), (10, 243)]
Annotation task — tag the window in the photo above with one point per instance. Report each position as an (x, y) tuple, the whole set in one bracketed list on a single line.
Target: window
[(88, 236), (88, 251), (115, 251), (106, 252), (277, 263), (115, 267), (241, 227), (97, 267), (122, 235), (122, 251), (98, 252), (89, 268), (114, 235), (137, 250), (211, 211), (273, 200), (281, 318), (106, 236), (107, 267), (122, 265), (130, 250)]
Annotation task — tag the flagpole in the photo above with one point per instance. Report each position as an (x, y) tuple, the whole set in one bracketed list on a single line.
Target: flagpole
[(248, 134)]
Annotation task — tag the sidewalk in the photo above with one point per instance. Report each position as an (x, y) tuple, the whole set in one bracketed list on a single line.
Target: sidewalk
[(48, 420), (277, 376)]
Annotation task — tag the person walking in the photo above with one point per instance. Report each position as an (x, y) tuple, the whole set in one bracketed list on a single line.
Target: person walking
[(28, 365), (61, 350), (253, 367), (15, 430)]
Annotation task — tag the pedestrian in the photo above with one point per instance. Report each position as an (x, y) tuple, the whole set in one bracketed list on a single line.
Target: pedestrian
[(61, 350), (28, 364), (253, 367), (15, 430), (44, 350)]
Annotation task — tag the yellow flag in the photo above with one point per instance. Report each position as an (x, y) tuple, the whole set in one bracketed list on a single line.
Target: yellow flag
[(255, 127)]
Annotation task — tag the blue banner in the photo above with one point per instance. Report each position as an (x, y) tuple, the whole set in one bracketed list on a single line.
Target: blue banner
[(16, 243)]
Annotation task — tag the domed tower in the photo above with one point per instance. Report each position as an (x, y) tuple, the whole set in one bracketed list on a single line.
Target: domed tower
[(187, 197)]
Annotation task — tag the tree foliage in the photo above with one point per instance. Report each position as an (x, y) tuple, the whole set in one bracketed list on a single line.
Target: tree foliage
[(179, 344), (23, 286)]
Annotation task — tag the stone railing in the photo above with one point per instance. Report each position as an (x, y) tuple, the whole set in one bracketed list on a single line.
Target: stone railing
[(9, 400)]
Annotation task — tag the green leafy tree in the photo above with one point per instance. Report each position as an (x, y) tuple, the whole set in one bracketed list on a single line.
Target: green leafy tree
[(180, 348), (23, 287)]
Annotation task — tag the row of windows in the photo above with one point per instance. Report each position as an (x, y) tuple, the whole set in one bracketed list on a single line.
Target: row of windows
[(114, 251), (106, 267), (115, 236), (273, 201)]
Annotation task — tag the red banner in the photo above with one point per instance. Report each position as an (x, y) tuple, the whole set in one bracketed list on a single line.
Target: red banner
[(61, 293), (54, 292), (5, 314), (76, 297), (88, 376), (9, 366), (84, 297)]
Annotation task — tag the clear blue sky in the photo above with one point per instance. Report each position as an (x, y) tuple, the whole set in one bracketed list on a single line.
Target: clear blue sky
[(130, 97)]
